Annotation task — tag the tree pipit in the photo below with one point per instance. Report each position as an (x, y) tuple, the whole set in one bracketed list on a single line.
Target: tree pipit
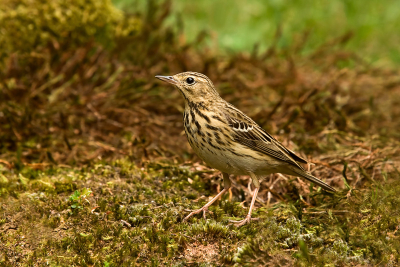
[(228, 140)]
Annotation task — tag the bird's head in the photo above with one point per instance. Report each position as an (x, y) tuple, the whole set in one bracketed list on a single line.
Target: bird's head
[(195, 87)]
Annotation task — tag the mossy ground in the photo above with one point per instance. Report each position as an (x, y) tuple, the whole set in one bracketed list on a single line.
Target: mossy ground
[(96, 171), (116, 214)]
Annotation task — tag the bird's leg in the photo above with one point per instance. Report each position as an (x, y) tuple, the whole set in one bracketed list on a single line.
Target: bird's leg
[(204, 209), (248, 218)]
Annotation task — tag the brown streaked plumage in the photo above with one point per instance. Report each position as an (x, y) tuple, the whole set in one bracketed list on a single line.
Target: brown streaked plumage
[(228, 140)]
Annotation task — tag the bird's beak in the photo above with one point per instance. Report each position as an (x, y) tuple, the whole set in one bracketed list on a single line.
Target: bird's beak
[(168, 79)]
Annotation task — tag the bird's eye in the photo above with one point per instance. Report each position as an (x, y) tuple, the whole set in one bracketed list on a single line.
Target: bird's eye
[(190, 80)]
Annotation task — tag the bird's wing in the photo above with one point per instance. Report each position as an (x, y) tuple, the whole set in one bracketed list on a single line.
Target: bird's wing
[(248, 133)]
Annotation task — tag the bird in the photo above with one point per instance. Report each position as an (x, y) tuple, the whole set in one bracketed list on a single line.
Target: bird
[(228, 140)]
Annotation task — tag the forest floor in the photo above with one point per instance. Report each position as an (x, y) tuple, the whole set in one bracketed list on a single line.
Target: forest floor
[(95, 169)]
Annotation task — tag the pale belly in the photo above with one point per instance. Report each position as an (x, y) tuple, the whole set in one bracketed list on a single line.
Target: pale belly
[(237, 163)]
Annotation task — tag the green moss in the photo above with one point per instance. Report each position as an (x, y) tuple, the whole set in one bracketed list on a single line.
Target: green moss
[(28, 25), (123, 224)]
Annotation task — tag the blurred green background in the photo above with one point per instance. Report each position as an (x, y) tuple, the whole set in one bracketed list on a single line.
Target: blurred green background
[(238, 25)]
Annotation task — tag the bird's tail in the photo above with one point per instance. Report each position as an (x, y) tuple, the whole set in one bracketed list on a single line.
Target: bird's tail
[(313, 179)]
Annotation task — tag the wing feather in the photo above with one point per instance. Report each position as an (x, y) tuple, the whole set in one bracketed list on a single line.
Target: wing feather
[(248, 133)]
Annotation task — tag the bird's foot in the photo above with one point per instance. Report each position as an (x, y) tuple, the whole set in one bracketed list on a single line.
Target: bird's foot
[(203, 209), (246, 220)]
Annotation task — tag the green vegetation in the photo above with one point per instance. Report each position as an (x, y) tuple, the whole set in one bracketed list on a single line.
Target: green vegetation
[(238, 26), (135, 216), (28, 26), (95, 170)]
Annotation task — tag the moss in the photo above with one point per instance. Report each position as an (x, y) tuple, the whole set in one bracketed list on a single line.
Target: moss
[(114, 226), (29, 25)]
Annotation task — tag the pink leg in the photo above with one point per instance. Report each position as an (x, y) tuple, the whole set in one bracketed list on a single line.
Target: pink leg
[(204, 209), (248, 218)]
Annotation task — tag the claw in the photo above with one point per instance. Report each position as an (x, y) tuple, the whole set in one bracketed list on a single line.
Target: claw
[(246, 220), (203, 209)]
